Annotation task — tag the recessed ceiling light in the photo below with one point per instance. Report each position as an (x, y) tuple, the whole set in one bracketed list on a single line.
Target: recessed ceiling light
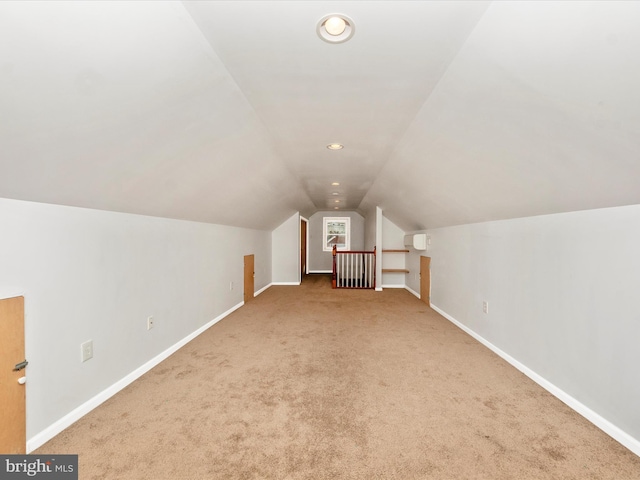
[(337, 201), (335, 193), (336, 208), (335, 184), (335, 28), (335, 146)]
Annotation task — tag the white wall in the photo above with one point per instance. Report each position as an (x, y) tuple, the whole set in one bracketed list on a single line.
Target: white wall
[(370, 229), (563, 301), (286, 252), (319, 260), (89, 274)]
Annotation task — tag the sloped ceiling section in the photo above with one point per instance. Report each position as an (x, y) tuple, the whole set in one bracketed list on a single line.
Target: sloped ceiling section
[(363, 93), (539, 113), (124, 106), (450, 112)]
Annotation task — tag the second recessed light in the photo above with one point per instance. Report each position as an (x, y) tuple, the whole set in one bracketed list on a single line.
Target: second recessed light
[(335, 28), (335, 146)]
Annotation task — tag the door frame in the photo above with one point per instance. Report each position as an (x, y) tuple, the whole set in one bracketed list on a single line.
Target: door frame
[(306, 244)]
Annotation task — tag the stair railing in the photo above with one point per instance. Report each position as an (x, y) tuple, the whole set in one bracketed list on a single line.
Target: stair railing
[(354, 269)]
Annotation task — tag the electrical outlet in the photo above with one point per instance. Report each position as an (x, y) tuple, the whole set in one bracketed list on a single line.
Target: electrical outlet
[(149, 323), (86, 350), (485, 307), (230, 285)]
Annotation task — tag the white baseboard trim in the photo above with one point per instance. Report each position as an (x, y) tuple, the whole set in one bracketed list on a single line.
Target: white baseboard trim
[(412, 291), (285, 283), (255, 294), (54, 429), (378, 289), (392, 286), (320, 271), (603, 424)]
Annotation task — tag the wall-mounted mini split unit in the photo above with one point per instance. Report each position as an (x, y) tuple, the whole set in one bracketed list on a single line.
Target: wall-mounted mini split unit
[(417, 241)]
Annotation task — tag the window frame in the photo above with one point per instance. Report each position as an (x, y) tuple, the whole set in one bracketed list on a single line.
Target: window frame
[(326, 221)]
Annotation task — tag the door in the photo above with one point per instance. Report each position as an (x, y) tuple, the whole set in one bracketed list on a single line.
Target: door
[(249, 275), (425, 280), (13, 434), (303, 247)]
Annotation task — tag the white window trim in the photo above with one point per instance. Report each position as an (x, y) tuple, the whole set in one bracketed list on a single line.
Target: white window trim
[(326, 220)]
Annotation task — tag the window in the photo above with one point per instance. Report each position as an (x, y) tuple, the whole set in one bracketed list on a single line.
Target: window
[(336, 232)]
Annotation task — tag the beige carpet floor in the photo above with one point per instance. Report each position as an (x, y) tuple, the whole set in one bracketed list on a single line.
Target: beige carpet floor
[(312, 383)]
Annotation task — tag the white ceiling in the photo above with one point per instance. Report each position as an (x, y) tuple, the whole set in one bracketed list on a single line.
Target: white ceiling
[(450, 112)]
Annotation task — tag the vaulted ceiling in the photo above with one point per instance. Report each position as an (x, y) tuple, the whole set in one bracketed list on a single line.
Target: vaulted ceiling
[(449, 112)]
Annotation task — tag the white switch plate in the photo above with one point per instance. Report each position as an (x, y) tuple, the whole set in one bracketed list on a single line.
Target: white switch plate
[(485, 307), (86, 350), (149, 323)]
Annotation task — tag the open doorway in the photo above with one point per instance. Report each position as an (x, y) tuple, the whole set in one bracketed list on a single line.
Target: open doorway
[(304, 241)]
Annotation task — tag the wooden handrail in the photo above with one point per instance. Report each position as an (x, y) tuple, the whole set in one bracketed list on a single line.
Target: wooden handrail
[(354, 251)]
